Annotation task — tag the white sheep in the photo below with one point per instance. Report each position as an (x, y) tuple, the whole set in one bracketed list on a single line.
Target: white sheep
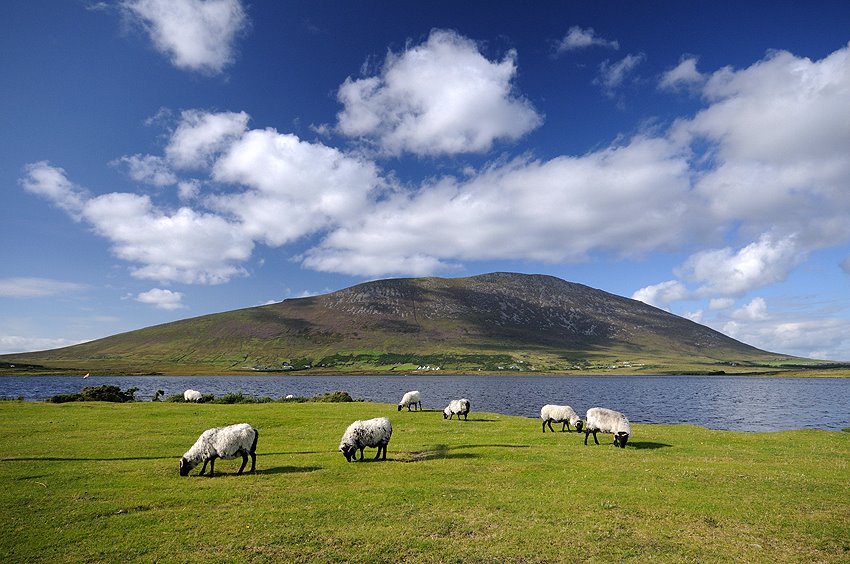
[(457, 407), (560, 414), (607, 421), (222, 442), (370, 433), (410, 399), (192, 395)]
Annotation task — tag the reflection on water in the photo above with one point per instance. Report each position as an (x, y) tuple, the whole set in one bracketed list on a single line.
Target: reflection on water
[(718, 402)]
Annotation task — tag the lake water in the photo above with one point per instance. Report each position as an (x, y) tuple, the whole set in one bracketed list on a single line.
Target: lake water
[(718, 402)]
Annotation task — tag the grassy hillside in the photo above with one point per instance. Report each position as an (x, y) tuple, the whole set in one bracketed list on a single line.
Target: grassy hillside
[(492, 323), (99, 482)]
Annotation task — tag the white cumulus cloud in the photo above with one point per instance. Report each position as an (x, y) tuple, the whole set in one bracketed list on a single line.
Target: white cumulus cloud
[(148, 169), (201, 136), (613, 75), (626, 199), (683, 75), (162, 299), (779, 147), (183, 245), (440, 97), (663, 294), (294, 187), (579, 38), (50, 182), (727, 272), (196, 35), (755, 310)]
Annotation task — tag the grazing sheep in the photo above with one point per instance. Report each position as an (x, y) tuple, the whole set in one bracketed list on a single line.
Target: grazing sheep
[(459, 407), (607, 421), (192, 395), (370, 433), (410, 399), (560, 414), (222, 442)]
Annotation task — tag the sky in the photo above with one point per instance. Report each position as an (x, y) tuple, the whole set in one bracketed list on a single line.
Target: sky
[(165, 159)]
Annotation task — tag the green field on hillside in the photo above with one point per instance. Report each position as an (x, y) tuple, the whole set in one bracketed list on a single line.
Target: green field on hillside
[(99, 482)]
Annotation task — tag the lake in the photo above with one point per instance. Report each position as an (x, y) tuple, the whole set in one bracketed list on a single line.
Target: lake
[(718, 402)]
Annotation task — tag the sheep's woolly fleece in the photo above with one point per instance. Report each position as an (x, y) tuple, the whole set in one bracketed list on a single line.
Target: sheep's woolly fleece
[(559, 414), (222, 442), (457, 407), (369, 433)]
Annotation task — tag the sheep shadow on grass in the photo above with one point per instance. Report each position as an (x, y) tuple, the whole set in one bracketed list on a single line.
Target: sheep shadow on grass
[(442, 451), (641, 445), (289, 469)]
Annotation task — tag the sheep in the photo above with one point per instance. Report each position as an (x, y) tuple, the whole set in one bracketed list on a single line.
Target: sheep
[(222, 442), (192, 395), (410, 399), (370, 433), (560, 414), (607, 421), (459, 407)]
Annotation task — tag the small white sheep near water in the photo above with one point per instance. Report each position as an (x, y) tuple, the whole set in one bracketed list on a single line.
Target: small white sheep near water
[(222, 442), (370, 433), (457, 407), (192, 395), (560, 414), (600, 419), (410, 399)]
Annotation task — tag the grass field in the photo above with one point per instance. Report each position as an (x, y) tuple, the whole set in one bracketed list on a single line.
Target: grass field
[(99, 482)]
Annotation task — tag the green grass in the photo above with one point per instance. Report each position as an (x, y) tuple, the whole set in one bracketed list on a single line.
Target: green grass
[(99, 482)]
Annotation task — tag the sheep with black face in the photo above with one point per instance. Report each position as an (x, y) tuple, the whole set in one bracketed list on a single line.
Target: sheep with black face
[(410, 399), (600, 419), (457, 407), (222, 442), (370, 433)]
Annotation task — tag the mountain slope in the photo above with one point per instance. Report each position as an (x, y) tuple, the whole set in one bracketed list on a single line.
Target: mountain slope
[(490, 322)]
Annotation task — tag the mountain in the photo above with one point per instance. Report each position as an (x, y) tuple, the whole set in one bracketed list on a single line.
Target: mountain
[(493, 322)]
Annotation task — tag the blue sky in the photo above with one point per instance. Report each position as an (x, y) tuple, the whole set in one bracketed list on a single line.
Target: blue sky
[(164, 159)]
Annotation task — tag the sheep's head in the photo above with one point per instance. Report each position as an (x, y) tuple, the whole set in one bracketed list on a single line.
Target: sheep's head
[(399, 407), (350, 451), (620, 439), (446, 413), (186, 466), (579, 424)]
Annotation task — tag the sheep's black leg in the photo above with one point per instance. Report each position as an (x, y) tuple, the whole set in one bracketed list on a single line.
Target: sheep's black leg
[(253, 461), (564, 426), (212, 465), (244, 463), (361, 453), (594, 438), (544, 426), (464, 417), (586, 434), (203, 469)]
